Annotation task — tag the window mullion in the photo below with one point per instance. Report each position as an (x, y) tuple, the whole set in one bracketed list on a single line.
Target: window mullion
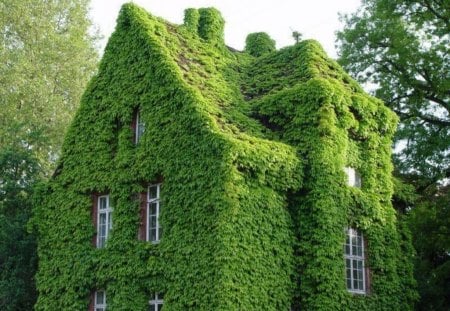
[(157, 220)]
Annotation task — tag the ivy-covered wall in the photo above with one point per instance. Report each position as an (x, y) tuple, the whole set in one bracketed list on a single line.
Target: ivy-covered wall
[(251, 151)]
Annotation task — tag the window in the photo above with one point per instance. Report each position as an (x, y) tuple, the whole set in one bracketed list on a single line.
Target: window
[(353, 177), (139, 127), (156, 303), (354, 262), (154, 231), (100, 301), (104, 220)]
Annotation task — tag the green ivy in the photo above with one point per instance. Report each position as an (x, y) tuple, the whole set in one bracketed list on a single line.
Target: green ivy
[(259, 43), (251, 151)]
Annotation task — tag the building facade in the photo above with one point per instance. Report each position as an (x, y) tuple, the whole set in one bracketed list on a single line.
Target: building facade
[(198, 177)]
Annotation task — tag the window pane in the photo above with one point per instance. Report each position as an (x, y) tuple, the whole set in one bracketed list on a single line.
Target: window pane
[(360, 285), (152, 222), (347, 249), (153, 208), (355, 284), (153, 192), (102, 231), (355, 270), (359, 241), (103, 203), (360, 264), (140, 129), (152, 235), (160, 307), (360, 274), (102, 219), (99, 298), (101, 242)]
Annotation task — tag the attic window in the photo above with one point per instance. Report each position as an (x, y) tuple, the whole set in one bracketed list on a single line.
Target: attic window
[(353, 177), (139, 127)]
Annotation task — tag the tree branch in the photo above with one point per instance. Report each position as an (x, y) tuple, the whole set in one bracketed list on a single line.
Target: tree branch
[(427, 118), (430, 8)]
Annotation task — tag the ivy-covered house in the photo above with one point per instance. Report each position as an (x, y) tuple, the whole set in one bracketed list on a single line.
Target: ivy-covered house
[(198, 177)]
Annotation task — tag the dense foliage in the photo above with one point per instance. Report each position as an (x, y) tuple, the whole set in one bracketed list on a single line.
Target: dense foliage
[(318, 108), (254, 193), (47, 56), (18, 171), (259, 43), (402, 48), (429, 220)]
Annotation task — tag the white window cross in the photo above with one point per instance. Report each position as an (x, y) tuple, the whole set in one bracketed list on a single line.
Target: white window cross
[(156, 303)]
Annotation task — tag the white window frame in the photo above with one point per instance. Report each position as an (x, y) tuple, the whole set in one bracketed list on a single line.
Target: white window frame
[(100, 306), (140, 128), (157, 201), (157, 300), (353, 177), (355, 271), (107, 211)]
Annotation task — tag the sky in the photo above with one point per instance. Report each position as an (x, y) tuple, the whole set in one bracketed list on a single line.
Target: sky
[(315, 19)]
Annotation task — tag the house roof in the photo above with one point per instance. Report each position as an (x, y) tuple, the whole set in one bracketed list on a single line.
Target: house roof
[(255, 106)]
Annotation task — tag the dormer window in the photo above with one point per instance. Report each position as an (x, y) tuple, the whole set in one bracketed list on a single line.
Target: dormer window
[(139, 127), (353, 177)]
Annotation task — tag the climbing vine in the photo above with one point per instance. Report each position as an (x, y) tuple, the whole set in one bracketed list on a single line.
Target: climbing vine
[(250, 151)]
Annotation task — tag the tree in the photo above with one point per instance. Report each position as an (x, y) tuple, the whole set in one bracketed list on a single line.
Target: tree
[(402, 49), (430, 221), (48, 54), (18, 174)]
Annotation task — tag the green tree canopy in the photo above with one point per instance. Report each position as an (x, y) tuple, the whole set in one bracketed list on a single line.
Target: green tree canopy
[(48, 54), (18, 174), (402, 48)]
